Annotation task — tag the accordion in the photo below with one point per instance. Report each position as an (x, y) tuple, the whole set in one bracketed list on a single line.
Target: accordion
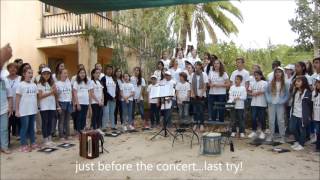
[(90, 143)]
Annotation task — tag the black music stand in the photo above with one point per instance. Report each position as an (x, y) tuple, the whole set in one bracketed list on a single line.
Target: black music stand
[(162, 93)]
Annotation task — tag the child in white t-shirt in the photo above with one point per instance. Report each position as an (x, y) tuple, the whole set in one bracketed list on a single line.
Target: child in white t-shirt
[(154, 104), (81, 96), (97, 99), (238, 94), (26, 109), (166, 103), (183, 91), (257, 89), (127, 94), (64, 104), (46, 93)]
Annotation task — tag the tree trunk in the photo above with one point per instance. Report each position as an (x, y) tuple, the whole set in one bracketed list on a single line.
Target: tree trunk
[(316, 33)]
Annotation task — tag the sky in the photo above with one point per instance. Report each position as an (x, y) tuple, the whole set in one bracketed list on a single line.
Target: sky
[(263, 21)]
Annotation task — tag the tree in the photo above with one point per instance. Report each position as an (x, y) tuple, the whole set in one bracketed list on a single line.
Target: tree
[(307, 24), (203, 17)]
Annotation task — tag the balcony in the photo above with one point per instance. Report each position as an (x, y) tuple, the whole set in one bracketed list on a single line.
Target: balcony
[(70, 24)]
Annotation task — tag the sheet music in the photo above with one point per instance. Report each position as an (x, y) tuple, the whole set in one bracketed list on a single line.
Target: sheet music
[(161, 91)]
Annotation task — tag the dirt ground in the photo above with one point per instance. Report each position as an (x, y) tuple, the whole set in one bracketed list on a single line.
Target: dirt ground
[(157, 159)]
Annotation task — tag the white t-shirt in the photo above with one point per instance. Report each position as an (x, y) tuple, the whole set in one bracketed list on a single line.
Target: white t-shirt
[(166, 63), (270, 76), (175, 74), (13, 84), (245, 76), (4, 94), (168, 101), (28, 101), (111, 86), (201, 92), (181, 63), (313, 77), (82, 92), (193, 60), (238, 91), (97, 91), (64, 91), (183, 89), (138, 89), (154, 100), (127, 89), (215, 78), (316, 106), (49, 102), (297, 108), (101, 75), (258, 86), (4, 73)]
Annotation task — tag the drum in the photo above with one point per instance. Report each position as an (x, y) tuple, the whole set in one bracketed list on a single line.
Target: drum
[(211, 144)]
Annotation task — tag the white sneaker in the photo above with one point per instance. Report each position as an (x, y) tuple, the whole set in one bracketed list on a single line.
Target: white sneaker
[(298, 148), (282, 140), (295, 144), (124, 128), (242, 135), (233, 134), (252, 134), (313, 138), (131, 127), (262, 135), (269, 139)]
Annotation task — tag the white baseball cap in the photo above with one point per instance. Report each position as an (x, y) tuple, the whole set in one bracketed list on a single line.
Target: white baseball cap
[(168, 73), (153, 76), (290, 66), (45, 69)]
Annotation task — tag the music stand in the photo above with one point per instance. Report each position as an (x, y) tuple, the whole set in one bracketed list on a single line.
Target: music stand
[(162, 92)]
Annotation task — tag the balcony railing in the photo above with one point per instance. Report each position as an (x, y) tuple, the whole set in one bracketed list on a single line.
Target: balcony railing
[(67, 24)]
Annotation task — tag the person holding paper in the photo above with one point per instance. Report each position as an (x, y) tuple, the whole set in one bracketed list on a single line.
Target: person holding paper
[(166, 103)]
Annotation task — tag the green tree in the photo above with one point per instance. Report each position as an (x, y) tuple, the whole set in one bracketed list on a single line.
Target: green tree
[(307, 24), (203, 17)]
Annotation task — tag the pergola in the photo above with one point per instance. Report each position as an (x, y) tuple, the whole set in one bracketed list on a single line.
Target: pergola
[(90, 6)]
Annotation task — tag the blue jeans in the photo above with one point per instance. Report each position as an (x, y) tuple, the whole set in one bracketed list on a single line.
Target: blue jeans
[(276, 113), (140, 106), (239, 121), (154, 114), (183, 111), (213, 112), (317, 127), (198, 110), (258, 115), (127, 112), (4, 131), (299, 132), (108, 114), (47, 117), (81, 117), (27, 129)]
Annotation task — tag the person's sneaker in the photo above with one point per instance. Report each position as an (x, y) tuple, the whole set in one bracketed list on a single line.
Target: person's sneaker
[(242, 135), (262, 135), (269, 139), (35, 146), (131, 127), (194, 128), (282, 140), (24, 149), (295, 144), (6, 151), (313, 139), (252, 135), (298, 148), (233, 134), (114, 129), (201, 128), (62, 139), (124, 128)]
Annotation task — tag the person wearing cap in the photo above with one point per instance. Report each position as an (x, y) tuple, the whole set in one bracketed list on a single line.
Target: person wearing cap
[(199, 83), (277, 95), (316, 110), (289, 71), (167, 104), (47, 92), (154, 104)]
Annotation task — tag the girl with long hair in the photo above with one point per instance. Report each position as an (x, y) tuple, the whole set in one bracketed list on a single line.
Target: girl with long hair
[(118, 79), (96, 96)]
